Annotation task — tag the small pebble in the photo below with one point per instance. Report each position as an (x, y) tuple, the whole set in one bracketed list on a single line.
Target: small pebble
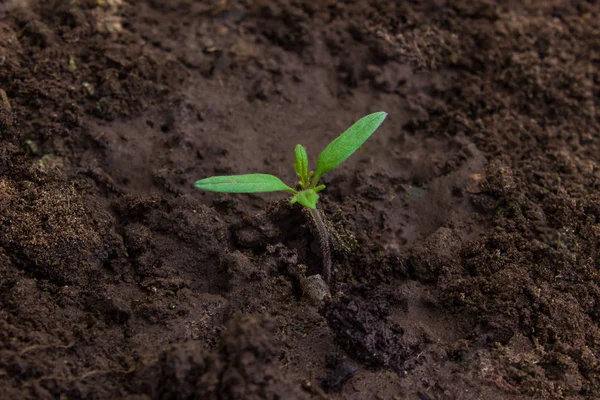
[(315, 288)]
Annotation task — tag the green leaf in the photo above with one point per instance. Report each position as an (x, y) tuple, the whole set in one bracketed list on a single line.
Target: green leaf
[(301, 163), (347, 143), (249, 183), (308, 198)]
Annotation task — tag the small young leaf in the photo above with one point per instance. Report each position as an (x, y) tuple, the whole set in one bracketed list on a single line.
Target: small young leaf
[(249, 183), (347, 143), (319, 188), (308, 198), (301, 163)]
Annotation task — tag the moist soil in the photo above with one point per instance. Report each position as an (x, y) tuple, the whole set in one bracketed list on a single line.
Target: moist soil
[(465, 232)]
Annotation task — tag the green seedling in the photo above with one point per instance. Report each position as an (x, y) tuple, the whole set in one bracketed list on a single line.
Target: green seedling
[(306, 191)]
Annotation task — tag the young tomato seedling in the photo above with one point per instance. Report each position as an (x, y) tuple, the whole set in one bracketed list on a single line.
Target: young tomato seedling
[(306, 191)]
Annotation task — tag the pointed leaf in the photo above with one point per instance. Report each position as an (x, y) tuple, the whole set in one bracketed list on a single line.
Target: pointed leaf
[(308, 198), (249, 183), (347, 143), (301, 163)]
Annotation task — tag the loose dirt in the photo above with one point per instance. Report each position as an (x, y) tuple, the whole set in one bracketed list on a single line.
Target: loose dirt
[(465, 232)]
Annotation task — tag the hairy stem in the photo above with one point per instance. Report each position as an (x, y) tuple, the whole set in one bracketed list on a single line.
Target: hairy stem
[(323, 241)]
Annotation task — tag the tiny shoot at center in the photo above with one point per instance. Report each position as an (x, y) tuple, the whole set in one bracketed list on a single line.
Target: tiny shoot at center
[(306, 191)]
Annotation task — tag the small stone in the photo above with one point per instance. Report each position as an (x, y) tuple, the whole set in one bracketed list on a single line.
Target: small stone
[(315, 288), (89, 88)]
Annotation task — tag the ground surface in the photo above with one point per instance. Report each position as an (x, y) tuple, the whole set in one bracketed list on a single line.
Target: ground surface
[(466, 230)]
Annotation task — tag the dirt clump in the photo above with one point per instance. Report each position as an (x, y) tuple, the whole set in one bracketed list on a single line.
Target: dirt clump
[(244, 366)]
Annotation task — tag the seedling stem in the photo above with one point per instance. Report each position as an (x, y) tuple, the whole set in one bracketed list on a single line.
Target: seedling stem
[(323, 241)]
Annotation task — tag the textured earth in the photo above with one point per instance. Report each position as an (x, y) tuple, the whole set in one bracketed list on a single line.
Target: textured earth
[(465, 232)]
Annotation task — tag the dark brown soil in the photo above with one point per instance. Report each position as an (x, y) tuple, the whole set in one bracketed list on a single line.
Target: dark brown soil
[(465, 233)]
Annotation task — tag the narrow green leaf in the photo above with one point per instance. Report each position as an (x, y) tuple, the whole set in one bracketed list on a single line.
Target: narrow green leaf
[(347, 143), (249, 183), (301, 163), (319, 188), (308, 198)]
